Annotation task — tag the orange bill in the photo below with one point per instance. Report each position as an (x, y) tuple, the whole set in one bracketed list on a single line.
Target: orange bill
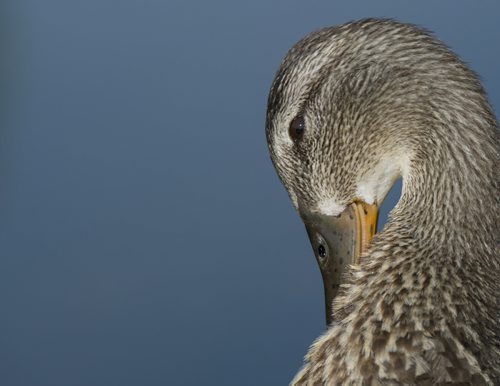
[(339, 241)]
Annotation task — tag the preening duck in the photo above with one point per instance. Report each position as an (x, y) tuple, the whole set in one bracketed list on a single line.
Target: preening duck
[(351, 109)]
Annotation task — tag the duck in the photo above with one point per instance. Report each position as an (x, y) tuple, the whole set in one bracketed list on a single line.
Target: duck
[(352, 109)]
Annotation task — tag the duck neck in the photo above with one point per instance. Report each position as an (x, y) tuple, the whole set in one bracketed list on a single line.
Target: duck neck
[(440, 245), (445, 228), (450, 195)]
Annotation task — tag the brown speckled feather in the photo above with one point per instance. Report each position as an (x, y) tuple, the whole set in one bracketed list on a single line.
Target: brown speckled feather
[(423, 306)]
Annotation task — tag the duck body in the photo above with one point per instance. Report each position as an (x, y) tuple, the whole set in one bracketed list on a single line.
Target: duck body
[(382, 100)]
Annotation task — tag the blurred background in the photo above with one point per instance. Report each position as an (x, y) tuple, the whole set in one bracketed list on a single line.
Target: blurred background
[(145, 238)]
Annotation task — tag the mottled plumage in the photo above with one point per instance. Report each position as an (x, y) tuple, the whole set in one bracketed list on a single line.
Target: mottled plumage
[(382, 99)]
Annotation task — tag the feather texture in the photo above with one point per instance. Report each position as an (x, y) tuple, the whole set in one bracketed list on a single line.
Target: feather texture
[(422, 307)]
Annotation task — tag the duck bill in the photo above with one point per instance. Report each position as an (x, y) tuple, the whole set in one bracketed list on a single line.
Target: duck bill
[(339, 242)]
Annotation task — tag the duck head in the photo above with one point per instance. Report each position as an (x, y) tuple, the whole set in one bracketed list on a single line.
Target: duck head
[(338, 119)]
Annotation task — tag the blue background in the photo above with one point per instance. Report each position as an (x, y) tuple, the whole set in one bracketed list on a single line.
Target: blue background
[(144, 236)]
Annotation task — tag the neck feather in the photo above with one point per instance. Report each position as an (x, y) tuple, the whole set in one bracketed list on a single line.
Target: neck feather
[(443, 235), (450, 193)]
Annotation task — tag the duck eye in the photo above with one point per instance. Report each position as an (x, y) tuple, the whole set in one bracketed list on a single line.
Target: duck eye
[(297, 127), (321, 251)]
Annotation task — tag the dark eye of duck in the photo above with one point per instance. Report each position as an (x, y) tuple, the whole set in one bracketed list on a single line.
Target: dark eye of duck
[(322, 251), (297, 127)]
